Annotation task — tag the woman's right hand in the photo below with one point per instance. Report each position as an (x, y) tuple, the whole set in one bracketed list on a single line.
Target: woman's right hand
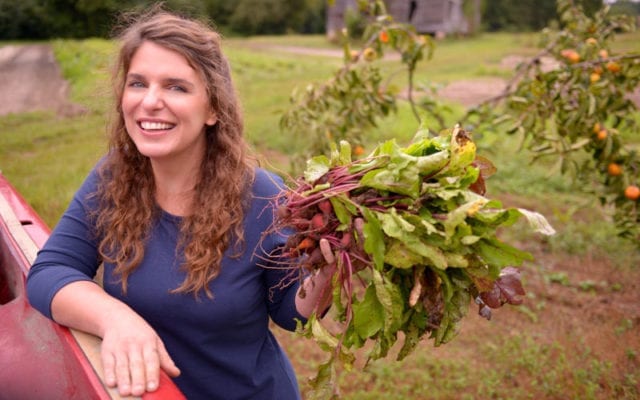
[(133, 355), (132, 352)]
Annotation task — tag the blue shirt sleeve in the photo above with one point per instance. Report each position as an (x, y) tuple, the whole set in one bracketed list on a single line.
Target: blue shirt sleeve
[(70, 254), (281, 276)]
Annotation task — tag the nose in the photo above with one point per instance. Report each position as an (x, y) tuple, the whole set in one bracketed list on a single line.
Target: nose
[(152, 99)]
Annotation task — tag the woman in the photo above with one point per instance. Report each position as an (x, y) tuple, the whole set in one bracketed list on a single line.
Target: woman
[(176, 212)]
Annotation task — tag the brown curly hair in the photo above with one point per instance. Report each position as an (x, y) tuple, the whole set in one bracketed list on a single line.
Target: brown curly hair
[(126, 194)]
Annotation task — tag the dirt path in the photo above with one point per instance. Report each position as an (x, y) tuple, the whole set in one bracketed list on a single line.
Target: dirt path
[(30, 80)]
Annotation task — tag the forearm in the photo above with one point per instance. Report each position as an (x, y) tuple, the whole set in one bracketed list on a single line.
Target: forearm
[(317, 293), (132, 353), (85, 306)]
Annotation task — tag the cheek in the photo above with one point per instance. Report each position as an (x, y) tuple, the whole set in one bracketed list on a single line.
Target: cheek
[(127, 105), (127, 114)]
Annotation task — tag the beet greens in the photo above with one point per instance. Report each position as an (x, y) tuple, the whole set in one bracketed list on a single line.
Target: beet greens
[(410, 239)]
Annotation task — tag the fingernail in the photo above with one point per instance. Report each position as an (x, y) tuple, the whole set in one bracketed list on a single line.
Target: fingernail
[(124, 390), (151, 386)]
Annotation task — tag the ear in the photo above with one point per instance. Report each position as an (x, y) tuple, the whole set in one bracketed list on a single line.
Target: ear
[(211, 121)]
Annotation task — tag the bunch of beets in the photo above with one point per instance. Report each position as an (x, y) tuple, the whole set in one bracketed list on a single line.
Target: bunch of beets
[(410, 240)]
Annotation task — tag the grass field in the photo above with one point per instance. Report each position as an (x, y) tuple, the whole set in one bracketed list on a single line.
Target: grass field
[(576, 336)]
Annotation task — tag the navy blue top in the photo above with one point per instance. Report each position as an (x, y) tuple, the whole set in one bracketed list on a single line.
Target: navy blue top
[(223, 346)]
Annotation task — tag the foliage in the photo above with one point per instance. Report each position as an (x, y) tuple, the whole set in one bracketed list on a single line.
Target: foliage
[(523, 15), (23, 19), (409, 238), (625, 7), (351, 102), (35, 19), (577, 111)]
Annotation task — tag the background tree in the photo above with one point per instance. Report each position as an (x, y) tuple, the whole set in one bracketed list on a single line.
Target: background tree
[(578, 113), (525, 15)]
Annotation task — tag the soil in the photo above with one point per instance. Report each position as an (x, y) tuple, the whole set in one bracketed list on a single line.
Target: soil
[(31, 80), (574, 315)]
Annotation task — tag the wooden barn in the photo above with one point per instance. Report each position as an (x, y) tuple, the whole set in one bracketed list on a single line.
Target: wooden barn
[(434, 17)]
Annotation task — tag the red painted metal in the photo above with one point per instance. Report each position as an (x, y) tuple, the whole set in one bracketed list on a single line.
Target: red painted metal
[(40, 359)]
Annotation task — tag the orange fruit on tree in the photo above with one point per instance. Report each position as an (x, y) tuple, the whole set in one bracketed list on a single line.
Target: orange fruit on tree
[(571, 55), (602, 134), (632, 192), (613, 66), (614, 169), (594, 77), (383, 36), (591, 41), (596, 127), (603, 53)]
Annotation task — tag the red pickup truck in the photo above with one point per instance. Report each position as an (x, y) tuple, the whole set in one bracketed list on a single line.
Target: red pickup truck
[(40, 359)]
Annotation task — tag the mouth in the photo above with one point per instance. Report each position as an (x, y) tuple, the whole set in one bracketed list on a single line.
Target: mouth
[(155, 126)]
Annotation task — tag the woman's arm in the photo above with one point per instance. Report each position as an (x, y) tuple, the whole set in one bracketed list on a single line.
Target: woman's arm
[(132, 352)]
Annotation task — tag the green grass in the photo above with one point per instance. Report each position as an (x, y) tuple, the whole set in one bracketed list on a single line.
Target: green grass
[(46, 157)]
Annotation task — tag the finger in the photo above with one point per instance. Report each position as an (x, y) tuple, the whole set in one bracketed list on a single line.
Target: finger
[(108, 366), (123, 375), (166, 362), (152, 367), (137, 372)]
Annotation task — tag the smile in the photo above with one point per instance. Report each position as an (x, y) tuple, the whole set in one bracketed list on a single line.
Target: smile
[(155, 126)]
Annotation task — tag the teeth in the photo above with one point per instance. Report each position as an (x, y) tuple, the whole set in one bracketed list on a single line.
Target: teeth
[(150, 126)]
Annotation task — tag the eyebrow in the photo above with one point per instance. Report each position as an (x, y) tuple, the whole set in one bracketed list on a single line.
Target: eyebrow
[(167, 81)]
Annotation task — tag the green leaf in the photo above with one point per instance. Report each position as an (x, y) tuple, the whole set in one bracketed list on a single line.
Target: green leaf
[(456, 260), (323, 337), (401, 256), (433, 254), (391, 300), (413, 334), (323, 383), (393, 224), (373, 238), (316, 168), (423, 145), (500, 254), (343, 155), (460, 214), (430, 164), (402, 174), (343, 213), (492, 218), (469, 239), (368, 315)]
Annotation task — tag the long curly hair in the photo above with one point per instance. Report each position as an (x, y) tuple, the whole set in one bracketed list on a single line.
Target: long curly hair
[(126, 193)]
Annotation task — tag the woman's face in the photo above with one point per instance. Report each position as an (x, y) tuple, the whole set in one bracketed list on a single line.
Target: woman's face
[(165, 105)]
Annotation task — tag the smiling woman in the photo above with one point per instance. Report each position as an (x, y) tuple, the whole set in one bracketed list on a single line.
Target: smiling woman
[(178, 214), (166, 109)]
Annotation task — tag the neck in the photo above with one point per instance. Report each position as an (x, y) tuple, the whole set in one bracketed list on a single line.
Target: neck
[(175, 184)]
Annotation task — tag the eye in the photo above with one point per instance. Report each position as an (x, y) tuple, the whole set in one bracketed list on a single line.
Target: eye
[(178, 88), (135, 84)]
